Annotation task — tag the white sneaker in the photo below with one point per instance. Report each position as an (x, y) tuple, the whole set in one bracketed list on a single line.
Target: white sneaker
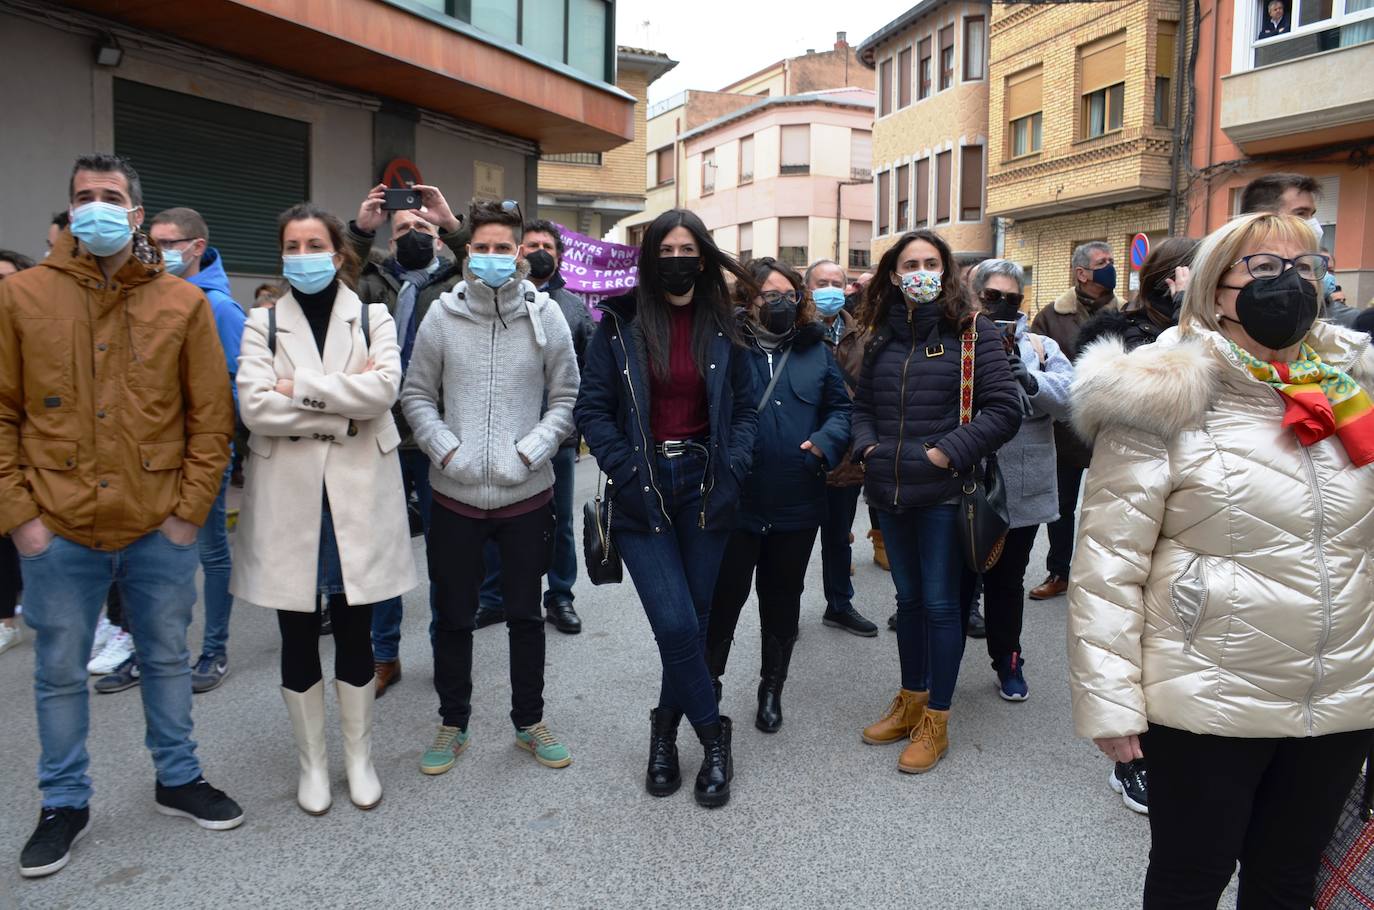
[(103, 630), (10, 635), (117, 650)]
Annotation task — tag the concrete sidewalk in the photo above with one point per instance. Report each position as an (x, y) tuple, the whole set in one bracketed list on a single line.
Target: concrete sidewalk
[(1018, 815)]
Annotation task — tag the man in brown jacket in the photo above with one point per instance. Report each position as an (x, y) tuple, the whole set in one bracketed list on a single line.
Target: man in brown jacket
[(1094, 286), (114, 432)]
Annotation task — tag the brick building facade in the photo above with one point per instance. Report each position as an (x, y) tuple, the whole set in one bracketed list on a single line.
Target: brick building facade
[(1081, 124)]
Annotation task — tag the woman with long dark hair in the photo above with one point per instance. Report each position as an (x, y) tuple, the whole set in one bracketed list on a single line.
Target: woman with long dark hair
[(667, 407), (803, 431), (917, 456), (1158, 303), (324, 512)]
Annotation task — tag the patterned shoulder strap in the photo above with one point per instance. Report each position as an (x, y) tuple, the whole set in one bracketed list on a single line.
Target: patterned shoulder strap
[(966, 345)]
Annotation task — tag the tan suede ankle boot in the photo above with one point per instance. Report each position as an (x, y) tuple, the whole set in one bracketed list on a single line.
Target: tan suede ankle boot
[(929, 743), (899, 719), (879, 550)]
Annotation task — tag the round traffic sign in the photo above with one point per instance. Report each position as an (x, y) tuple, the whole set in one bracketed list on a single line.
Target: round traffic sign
[(1140, 248)]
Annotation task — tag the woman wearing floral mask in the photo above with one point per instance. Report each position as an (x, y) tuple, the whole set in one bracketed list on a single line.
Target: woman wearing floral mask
[(324, 515), (916, 455)]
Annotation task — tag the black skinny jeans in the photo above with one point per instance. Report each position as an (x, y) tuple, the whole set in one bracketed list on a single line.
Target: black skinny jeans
[(780, 559), (1272, 804), (1004, 593), (300, 645), (456, 569), (1060, 531)]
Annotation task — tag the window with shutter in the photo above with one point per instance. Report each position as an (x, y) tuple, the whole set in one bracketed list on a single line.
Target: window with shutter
[(971, 183), (1164, 72), (975, 46), (942, 187), (884, 187), (746, 160), (238, 168), (666, 163), (746, 242), (946, 57), (1101, 80), (1023, 110), (860, 237), (903, 198), (904, 78), (923, 70), (885, 88), (792, 241), (796, 149), (860, 155), (708, 172), (922, 192)]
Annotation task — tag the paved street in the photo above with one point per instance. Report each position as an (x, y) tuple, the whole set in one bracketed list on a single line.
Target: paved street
[(1018, 815)]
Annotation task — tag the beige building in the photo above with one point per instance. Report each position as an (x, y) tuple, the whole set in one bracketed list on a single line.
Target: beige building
[(1081, 131), (591, 191), (788, 176), (930, 138), (668, 120)]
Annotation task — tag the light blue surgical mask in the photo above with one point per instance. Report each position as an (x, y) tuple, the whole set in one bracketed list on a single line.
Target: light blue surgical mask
[(102, 226), (308, 273), (1329, 284), (494, 269), (829, 301), (172, 261)]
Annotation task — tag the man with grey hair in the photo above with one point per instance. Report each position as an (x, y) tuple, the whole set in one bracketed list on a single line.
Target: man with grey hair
[(1094, 287)]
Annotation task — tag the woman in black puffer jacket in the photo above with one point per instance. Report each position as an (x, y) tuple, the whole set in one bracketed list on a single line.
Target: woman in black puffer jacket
[(915, 453)]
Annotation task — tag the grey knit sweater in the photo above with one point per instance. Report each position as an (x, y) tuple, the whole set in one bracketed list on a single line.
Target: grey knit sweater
[(492, 369)]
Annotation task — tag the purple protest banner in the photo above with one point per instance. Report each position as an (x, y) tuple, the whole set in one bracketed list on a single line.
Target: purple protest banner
[(597, 269)]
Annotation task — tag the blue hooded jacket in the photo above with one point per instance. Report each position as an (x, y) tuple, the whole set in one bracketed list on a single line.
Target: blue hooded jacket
[(229, 316)]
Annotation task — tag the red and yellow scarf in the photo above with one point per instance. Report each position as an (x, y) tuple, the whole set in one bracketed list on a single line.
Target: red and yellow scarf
[(1319, 400)]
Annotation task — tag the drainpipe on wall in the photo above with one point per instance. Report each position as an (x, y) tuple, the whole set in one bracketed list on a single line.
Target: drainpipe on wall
[(1176, 151)]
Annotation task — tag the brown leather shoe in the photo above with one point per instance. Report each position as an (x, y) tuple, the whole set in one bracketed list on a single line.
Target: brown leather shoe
[(879, 550), (899, 719), (929, 743), (388, 674), (1052, 586)]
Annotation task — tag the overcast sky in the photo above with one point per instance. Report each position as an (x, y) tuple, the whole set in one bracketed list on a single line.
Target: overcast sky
[(719, 41)]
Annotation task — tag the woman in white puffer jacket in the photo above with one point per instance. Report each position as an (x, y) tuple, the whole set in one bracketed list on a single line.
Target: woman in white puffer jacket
[(1220, 606)]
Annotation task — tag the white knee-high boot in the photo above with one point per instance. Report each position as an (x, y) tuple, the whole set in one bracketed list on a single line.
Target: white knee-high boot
[(355, 718), (307, 722)]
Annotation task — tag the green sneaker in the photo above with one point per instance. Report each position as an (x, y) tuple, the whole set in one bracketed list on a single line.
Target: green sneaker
[(448, 744), (548, 751)]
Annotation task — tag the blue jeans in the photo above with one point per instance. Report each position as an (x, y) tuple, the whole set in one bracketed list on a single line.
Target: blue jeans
[(675, 575), (563, 572), (386, 615), (213, 542), (64, 589), (923, 548), (837, 555)]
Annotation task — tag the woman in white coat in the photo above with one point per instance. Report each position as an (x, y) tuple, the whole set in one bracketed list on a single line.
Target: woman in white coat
[(324, 511)]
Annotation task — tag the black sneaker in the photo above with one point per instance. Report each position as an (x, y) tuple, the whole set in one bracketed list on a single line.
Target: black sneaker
[(976, 627), (490, 616), (851, 620), (50, 847), (125, 676), (892, 622), (201, 803), (1128, 779), (208, 672)]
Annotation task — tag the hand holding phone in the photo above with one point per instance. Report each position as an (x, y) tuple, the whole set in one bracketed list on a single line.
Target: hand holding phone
[(403, 199)]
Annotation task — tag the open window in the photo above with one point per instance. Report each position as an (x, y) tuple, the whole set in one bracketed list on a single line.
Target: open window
[(1289, 29)]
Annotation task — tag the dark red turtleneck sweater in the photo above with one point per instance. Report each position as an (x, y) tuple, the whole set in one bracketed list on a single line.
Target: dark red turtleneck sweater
[(678, 408)]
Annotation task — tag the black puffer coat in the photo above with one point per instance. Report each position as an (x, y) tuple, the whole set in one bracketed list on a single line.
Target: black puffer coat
[(908, 402), (1133, 327)]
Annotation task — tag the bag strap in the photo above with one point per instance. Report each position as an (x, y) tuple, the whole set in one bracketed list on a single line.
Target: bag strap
[(773, 383), (1367, 810), (1039, 345), (603, 494), (367, 326), (272, 330), (967, 341)]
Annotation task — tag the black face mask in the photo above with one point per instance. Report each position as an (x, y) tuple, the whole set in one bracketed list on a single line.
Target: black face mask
[(414, 250), (779, 317), (1277, 312), (678, 274), (541, 265), (1164, 303)]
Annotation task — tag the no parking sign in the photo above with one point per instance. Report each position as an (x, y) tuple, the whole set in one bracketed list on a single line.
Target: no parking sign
[(1140, 249)]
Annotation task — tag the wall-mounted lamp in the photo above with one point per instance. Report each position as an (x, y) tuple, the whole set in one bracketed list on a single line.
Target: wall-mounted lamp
[(108, 52)]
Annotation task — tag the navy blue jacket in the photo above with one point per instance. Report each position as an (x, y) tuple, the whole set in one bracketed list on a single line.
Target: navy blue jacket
[(908, 401), (786, 489), (613, 414)]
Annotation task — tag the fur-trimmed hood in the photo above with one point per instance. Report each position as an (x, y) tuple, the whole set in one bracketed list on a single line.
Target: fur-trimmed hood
[(1169, 386)]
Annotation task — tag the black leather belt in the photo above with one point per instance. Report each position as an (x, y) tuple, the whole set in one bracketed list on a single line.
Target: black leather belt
[(676, 448)]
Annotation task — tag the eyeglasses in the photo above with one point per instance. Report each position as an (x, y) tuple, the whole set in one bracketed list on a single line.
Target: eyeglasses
[(509, 206), (990, 296), (1310, 266), (775, 297), (172, 242)]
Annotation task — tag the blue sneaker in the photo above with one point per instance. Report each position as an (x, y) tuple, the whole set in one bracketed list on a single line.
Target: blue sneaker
[(1011, 682), (125, 676)]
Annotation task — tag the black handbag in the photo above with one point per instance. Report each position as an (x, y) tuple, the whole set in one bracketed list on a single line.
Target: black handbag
[(983, 516), (598, 550)]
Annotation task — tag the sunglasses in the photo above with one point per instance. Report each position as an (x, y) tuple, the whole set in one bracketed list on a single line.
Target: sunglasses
[(992, 297), (509, 206)]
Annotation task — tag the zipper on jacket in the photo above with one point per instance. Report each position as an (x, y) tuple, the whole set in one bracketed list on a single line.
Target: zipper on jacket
[(901, 414), (491, 385), (1324, 573), (639, 420)]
